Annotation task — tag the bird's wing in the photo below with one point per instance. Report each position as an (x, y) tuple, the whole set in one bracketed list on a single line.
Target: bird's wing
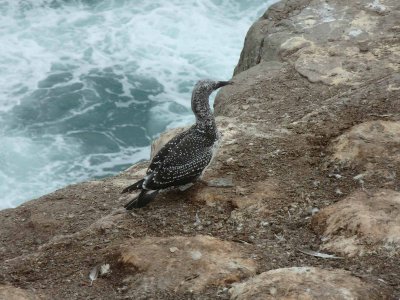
[(164, 151), (183, 164)]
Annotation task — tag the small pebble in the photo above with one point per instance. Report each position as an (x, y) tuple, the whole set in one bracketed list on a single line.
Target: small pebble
[(338, 192), (312, 210), (173, 249), (272, 291), (196, 255)]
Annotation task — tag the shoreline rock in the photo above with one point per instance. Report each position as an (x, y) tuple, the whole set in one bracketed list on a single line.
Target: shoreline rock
[(310, 152), (307, 283), (361, 223)]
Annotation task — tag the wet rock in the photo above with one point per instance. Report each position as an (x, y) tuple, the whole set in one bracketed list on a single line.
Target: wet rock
[(200, 262), (307, 283), (361, 223)]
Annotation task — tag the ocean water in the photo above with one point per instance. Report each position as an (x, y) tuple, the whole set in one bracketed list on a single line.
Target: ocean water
[(85, 86)]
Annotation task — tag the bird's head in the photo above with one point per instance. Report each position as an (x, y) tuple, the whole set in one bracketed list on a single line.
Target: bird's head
[(207, 86), (202, 90)]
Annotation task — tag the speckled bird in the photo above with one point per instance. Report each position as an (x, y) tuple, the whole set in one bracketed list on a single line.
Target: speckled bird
[(185, 157)]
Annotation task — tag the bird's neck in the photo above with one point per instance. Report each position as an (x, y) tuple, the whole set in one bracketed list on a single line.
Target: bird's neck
[(205, 118), (201, 109), (207, 124), (205, 121), (208, 128)]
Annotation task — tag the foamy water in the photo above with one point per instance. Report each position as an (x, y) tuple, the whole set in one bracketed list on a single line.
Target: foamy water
[(86, 85)]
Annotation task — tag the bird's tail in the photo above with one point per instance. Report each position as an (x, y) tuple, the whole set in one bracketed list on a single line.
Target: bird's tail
[(144, 198), (133, 187)]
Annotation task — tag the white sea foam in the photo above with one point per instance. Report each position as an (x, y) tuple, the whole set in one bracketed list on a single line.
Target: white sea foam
[(171, 42)]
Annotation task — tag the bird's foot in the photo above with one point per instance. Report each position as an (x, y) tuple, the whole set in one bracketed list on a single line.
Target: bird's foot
[(185, 187), (218, 182)]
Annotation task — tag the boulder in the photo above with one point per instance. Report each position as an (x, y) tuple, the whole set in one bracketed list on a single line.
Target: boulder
[(181, 264), (327, 42), (363, 222), (8, 292), (307, 283), (371, 146)]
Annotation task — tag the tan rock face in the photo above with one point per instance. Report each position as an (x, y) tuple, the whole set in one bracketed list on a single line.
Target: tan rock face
[(253, 204), (306, 283), (322, 64), (262, 192), (184, 263), (331, 43), (255, 197), (8, 292), (368, 143), (361, 223), (210, 197)]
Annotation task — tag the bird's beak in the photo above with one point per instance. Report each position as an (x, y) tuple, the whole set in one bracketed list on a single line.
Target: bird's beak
[(223, 83)]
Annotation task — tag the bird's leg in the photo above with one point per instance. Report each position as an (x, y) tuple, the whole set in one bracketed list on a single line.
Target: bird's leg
[(185, 187), (144, 198), (218, 182)]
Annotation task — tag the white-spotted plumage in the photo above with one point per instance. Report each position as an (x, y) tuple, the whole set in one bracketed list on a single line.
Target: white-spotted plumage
[(184, 158)]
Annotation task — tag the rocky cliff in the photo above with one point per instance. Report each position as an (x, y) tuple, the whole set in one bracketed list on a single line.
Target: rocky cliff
[(302, 200)]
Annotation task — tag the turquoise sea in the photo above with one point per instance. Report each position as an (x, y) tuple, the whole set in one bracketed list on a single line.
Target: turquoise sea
[(85, 86)]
